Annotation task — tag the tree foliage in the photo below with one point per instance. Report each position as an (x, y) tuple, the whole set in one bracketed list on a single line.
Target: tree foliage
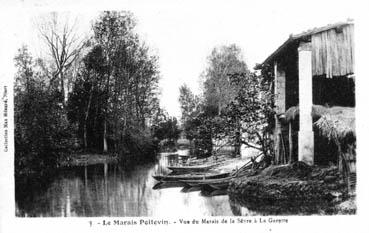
[(250, 114), (117, 87), (64, 47), (167, 132), (218, 91), (42, 132), (111, 107), (236, 107)]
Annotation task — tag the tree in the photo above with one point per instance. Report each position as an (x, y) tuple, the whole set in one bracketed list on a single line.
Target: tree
[(64, 45), (167, 130), (117, 87), (42, 132), (251, 111), (218, 91), (24, 63), (189, 104), (237, 107), (113, 31), (84, 104)]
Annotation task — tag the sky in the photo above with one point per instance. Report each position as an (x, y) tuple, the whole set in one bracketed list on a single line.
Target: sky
[(183, 33)]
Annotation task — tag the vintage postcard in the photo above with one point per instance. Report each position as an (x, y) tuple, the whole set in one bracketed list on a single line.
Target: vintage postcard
[(177, 116)]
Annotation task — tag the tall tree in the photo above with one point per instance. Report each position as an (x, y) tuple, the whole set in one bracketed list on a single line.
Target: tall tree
[(251, 112), (64, 45), (24, 63), (118, 84), (189, 102), (190, 108), (41, 129), (112, 30), (224, 60)]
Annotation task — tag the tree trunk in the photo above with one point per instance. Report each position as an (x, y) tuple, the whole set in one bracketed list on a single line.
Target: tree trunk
[(85, 123), (62, 89), (105, 149), (105, 139), (237, 146)]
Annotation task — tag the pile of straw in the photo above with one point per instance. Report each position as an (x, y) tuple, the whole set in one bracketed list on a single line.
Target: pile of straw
[(338, 123), (334, 123), (316, 113)]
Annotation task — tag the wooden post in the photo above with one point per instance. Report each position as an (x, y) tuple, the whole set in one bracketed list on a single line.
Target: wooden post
[(280, 107), (86, 176), (290, 142), (306, 134)]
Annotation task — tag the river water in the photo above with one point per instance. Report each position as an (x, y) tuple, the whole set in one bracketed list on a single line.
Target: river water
[(110, 190)]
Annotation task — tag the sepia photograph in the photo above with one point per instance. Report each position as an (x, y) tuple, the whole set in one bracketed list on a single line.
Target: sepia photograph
[(176, 110)]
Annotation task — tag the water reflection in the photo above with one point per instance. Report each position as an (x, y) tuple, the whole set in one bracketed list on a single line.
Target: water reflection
[(110, 190)]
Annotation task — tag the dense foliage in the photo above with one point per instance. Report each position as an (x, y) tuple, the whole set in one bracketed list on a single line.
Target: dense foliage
[(116, 88), (167, 132), (99, 95), (236, 107), (42, 131)]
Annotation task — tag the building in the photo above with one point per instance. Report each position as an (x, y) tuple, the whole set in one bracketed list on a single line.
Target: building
[(314, 87)]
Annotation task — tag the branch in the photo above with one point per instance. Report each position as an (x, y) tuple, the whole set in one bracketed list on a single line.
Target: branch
[(250, 145)]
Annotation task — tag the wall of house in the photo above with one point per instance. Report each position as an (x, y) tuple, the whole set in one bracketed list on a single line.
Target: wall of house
[(333, 52)]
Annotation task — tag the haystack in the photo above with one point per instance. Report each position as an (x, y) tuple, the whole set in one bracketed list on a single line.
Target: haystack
[(317, 112), (338, 123)]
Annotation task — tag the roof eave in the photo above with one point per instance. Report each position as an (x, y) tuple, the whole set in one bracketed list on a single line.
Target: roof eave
[(302, 35), (272, 56)]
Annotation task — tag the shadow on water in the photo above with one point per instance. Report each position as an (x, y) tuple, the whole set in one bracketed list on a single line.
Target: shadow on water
[(164, 185), (114, 190)]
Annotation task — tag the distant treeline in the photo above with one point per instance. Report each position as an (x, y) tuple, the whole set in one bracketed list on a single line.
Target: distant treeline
[(96, 94)]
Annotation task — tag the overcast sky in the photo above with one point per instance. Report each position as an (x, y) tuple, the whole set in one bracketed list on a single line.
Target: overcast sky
[(183, 33)]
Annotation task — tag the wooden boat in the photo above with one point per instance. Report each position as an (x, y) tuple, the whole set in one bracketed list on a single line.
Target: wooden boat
[(164, 185), (190, 177), (188, 169), (221, 183)]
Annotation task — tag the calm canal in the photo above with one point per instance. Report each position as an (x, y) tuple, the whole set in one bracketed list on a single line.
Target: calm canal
[(110, 190)]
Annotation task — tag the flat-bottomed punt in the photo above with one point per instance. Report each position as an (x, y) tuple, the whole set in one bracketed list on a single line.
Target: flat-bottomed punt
[(190, 177), (221, 183), (189, 169)]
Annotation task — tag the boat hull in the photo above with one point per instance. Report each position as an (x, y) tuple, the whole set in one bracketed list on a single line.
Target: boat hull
[(213, 183), (190, 177), (188, 169)]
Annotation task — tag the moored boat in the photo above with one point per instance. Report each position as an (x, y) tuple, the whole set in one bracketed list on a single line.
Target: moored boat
[(221, 183), (190, 177), (163, 185), (188, 169)]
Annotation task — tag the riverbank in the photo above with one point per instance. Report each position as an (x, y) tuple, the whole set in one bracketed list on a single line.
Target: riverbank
[(293, 183), (87, 159)]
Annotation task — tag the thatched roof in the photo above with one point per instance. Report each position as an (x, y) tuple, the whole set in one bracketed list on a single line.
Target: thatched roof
[(317, 112), (334, 122), (338, 123)]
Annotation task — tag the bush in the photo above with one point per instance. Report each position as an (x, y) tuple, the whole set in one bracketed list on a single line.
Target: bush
[(42, 131)]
